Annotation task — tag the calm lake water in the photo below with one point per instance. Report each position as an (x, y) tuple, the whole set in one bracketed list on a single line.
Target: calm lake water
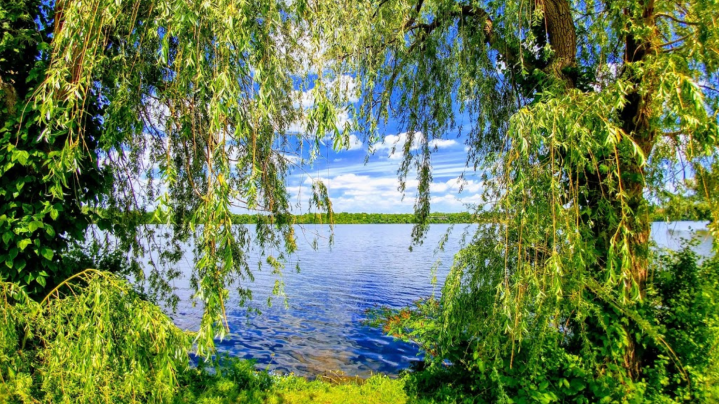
[(368, 266)]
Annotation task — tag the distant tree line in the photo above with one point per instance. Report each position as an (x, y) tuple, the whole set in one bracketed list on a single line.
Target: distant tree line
[(335, 218), (672, 211)]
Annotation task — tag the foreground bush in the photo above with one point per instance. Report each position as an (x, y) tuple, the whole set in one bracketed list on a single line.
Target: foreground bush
[(236, 381), (91, 340)]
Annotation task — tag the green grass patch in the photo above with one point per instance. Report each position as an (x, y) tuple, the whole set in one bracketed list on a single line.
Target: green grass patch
[(236, 381)]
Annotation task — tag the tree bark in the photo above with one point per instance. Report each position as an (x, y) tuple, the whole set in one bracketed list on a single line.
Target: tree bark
[(562, 37)]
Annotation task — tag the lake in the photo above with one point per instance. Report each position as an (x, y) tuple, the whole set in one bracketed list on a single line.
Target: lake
[(368, 266)]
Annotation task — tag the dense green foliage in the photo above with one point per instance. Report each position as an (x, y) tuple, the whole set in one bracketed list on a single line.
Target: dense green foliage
[(365, 218), (37, 220), (115, 106), (232, 381), (360, 218), (336, 218), (577, 114), (91, 340)]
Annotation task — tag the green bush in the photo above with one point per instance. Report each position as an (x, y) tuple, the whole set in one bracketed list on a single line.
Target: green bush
[(91, 340), (96, 340)]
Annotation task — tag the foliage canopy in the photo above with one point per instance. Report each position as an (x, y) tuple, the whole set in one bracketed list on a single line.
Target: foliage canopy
[(188, 106), (576, 114)]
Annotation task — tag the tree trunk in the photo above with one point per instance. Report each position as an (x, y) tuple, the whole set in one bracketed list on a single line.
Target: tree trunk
[(635, 123), (562, 37)]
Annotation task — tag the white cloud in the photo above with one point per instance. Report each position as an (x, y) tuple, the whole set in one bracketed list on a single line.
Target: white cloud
[(363, 193), (397, 141), (395, 144), (361, 183), (455, 184), (290, 158), (352, 192), (441, 143), (454, 203), (354, 143), (349, 143)]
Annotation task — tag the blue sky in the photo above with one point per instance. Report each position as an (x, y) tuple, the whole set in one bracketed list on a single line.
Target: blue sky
[(360, 181), (356, 186)]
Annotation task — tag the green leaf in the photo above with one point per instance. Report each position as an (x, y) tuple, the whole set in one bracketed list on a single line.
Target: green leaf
[(7, 236), (19, 264), (47, 253), (22, 244), (165, 48), (578, 385), (20, 156), (34, 225)]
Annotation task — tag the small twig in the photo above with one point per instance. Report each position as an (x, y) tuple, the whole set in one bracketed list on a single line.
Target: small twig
[(65, 282)]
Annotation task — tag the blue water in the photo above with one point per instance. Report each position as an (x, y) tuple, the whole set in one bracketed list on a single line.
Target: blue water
[(321, 328), (368, 266)]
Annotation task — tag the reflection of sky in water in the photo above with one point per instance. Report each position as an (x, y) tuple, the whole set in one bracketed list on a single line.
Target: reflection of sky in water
[(368, 266)]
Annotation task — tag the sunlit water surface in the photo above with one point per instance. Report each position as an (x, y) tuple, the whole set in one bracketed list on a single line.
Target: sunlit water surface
[(321, 328)]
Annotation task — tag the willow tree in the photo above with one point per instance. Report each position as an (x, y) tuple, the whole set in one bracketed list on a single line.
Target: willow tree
[(186, 108), (576, 113)]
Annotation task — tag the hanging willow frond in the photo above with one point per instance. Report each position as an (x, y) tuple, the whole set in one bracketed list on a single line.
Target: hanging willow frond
[(199, 101)]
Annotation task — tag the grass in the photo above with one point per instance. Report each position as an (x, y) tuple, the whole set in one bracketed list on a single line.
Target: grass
[(236, 381)]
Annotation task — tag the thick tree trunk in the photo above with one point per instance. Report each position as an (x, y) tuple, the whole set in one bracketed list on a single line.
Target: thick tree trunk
[(635, 123), (562, 37)]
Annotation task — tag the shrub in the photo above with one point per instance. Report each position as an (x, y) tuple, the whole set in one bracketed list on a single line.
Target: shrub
[(91, 340)]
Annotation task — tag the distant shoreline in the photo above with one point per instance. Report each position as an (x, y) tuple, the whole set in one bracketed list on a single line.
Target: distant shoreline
[(367, 218), (336, 218)]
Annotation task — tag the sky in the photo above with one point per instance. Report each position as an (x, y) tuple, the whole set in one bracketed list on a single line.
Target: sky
[(362, 181), (372, 187)]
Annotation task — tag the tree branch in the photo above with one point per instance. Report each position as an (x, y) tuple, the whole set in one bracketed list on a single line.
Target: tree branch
[(671, 17)]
